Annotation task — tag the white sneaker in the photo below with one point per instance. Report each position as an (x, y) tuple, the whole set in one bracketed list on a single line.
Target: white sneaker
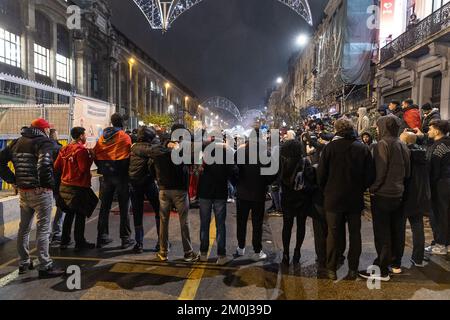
[(439, 250), (203, 257), (259, 256), (240, 252), (223, 260), (419, 265), (429, 249)]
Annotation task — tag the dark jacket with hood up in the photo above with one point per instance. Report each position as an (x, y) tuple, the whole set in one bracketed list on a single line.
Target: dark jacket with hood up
[(344, 174), (392, 160), (32, 157)]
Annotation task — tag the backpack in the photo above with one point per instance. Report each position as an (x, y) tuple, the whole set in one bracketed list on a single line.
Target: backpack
[(298, 178)]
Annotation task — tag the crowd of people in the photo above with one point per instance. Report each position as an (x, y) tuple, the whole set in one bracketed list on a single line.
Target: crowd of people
[(330, 170)]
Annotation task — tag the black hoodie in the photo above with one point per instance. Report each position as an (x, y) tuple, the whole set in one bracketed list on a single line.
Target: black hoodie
[(392, 160)]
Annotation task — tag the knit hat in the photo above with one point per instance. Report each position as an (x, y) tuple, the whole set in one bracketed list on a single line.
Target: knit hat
[(41, 124)]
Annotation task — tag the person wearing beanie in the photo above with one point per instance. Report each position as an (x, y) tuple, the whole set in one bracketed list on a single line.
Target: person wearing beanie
[(142, 182), (31, 156)]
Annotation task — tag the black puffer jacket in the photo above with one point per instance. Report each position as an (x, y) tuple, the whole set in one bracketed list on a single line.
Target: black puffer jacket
[(32, 157)]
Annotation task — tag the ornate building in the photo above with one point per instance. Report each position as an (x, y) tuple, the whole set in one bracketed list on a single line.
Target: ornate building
[(416, 63), (97, 60)]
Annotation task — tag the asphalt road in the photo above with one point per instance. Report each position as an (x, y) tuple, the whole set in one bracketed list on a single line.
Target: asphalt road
[(112, 273)]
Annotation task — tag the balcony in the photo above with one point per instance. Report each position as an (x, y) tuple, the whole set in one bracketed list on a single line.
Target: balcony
[(425, 32)]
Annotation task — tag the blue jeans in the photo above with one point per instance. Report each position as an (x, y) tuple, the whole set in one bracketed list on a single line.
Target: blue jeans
[(220, 211)]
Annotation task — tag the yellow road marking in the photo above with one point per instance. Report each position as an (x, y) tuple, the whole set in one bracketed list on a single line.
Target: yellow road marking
[(195, 276)]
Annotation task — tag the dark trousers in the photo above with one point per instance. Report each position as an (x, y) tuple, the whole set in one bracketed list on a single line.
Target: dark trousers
[(243, 211), (320, 236), (220, 212), (80, 222), (441, 210), (388, 220), (418, 236), (139, 192), (109, 186), (336, 234), (290, 213)]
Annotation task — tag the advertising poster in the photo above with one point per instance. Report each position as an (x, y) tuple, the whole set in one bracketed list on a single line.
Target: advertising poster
[(92, 115)]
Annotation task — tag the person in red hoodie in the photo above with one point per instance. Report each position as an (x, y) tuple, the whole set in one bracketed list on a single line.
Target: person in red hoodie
[(411, 114), (74, 164)]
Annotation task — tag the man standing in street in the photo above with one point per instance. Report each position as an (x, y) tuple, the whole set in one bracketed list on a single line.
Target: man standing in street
[(173, 181), (392, 163), (31, 156), (251, 196), (439, 162), (74, 165), (112, 157), (344, 174)]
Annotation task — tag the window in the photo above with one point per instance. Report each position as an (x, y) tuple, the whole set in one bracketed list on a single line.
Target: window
[(9, 48), (41, 60), (44, 97), (63, 68)]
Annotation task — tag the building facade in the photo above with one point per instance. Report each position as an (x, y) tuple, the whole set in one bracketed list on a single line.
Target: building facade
[(416, 63), (96, 61)]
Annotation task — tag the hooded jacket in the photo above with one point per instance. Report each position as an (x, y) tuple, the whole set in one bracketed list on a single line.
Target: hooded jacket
[(363, 121), (32, 157), (112, 152), (392, 160), (74, 164), (411, 116), (344, 174), (417, 188)]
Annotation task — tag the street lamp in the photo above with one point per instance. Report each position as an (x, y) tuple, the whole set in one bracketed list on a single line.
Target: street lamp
[(279, 80), (302, 40), (131, 63)]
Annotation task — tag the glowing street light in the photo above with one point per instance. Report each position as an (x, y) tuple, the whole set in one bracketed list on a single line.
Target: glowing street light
[(279, 80), (302, 40)]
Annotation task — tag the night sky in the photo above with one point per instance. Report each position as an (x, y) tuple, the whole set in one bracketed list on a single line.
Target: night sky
[(229, 48)]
